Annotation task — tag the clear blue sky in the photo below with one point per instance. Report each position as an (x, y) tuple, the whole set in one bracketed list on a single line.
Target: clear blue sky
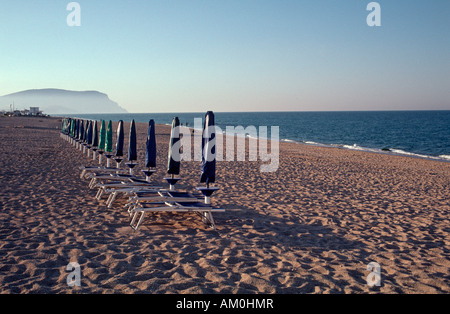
[(232, 55)]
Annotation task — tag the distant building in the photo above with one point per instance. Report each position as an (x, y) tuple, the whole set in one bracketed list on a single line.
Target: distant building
[(34, 111)]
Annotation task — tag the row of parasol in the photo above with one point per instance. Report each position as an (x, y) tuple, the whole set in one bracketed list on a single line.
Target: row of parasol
[(97, 137)]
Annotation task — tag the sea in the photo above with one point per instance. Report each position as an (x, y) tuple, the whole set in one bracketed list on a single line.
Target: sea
[(421, 134)]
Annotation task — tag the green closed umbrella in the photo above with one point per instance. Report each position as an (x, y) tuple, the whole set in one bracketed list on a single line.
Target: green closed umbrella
[(109, 143), (72, 128), (102, 141), (109, 138)]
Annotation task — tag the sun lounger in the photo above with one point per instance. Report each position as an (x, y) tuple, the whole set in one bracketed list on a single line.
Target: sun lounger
[(127, 187), (99, 169), (172, 201), (101, 178)]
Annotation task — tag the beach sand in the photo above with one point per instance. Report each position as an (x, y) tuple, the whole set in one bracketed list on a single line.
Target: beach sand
[(311, 227)]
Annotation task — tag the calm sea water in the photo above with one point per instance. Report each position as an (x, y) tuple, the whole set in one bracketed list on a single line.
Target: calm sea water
[(414, 133)]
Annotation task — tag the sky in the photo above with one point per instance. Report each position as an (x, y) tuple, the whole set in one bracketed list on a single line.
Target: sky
[(232, 55)]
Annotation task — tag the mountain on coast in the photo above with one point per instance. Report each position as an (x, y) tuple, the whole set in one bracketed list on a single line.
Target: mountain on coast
[(59, 101)]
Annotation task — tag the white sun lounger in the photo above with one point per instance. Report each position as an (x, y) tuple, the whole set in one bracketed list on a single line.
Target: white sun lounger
[(128, 187), (172, 201), (85, 170)]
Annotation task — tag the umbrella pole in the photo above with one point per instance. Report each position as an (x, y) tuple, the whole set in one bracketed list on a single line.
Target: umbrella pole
[(172, 187), (207, 198)]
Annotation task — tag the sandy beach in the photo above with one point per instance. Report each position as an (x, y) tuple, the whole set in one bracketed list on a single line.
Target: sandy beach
[(311, 227)]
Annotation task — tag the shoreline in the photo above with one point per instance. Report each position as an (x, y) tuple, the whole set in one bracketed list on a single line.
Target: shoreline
[(388, 151)]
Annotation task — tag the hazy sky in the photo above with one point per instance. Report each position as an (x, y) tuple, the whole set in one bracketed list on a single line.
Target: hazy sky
[(232, 55)]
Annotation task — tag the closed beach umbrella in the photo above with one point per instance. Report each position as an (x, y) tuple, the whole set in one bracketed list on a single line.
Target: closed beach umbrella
[(102, 139), (77, 129), (90, 137), (89, 134), (81, 138), (150, 153), (95, 136), (120, 139), (82, 130), (63, 130), (69, 120), (132, 151), (173, 166), (208, 150), (108, 143), (109, 138), (119, 144), (86, 128), (208, 167), (72, 128)]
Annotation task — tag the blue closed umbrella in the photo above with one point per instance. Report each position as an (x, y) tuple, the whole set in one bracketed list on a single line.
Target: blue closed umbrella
[(208, 168), (173, 166), (208, 150), (120, 139), (94, 138), (82, 131), (132, 144), (150, 153), (86, 128), (119, 144), (132, 150)]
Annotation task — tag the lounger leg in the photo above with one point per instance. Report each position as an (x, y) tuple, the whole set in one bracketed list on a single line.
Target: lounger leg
[(208, 217), (134, 220), (111, 199), (99, 194), (130, 209), (92, 183), (140, 220)]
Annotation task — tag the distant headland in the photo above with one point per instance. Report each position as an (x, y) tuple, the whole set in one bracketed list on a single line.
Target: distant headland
[(58, 101)]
